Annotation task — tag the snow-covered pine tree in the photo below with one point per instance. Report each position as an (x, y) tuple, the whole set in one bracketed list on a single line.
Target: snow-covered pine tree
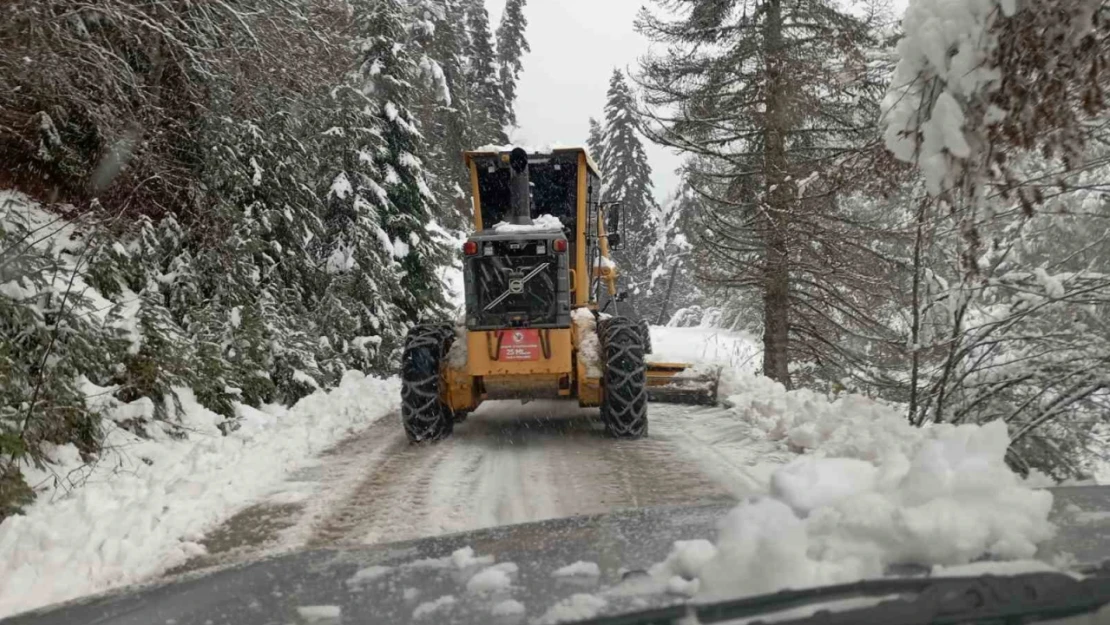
[(442, 104), (768, 94), (488, 112), (628, 181), (397, 165), (511, 47), (595, 142)]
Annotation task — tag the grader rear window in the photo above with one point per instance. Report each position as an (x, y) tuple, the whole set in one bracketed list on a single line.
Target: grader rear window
[(554, 189)]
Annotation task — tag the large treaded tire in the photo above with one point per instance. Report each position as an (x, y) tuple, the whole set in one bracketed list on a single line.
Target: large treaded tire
[(645, 335), (423, 414), (624, 393)]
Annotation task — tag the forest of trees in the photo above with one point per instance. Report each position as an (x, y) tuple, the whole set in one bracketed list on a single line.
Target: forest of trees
[(917, 213), (250, 198), (266, 192)]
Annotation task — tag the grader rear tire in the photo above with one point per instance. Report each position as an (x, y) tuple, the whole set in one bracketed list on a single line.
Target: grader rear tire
[(424, 416), (624, 393)]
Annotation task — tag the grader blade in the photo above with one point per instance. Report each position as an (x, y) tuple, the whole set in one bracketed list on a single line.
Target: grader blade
[(678, 383)]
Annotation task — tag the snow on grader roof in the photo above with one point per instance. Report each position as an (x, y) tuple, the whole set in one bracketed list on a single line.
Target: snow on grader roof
[(539, 151)]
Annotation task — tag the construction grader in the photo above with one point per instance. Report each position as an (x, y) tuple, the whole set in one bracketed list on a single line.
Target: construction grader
[(534, 272)]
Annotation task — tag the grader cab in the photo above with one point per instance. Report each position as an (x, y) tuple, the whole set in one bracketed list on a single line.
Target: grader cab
[(534, 271)]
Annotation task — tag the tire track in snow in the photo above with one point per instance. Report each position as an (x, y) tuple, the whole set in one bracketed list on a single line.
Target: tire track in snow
[(722, 444), (509, 463)]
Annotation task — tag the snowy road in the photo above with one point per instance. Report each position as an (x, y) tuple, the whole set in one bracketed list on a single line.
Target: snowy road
[(850, 485), (508, 463)]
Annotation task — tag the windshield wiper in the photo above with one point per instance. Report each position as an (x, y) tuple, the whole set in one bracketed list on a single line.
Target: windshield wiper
[(922, 600)]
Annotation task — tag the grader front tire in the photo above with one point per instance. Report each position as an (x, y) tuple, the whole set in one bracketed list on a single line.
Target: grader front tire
[(624, 396), (423, 414)]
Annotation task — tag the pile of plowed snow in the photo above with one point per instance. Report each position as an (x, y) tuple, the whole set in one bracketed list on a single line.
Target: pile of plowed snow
[(865, 492), (705, 347), (139, 510)]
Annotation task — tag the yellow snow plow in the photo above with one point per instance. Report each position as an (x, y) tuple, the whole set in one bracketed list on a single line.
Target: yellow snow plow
[(532, 274), (679, 383)]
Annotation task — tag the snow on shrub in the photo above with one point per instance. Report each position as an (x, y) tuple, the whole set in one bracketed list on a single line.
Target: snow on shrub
[(868, 491)]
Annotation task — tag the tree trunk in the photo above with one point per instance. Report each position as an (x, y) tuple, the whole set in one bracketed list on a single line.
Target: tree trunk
[(662, 319), (774, 213), (915, 327)]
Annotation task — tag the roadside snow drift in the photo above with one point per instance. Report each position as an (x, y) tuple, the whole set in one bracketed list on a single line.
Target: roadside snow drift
[(867, 491), (705, 347), (140, 509)]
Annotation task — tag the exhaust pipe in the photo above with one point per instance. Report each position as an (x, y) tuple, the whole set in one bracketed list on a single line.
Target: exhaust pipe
[(520, 191)]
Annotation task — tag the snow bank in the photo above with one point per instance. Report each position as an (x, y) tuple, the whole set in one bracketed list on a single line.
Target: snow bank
[(543, 223), (319, 613), (705, 346), (140, 509), (868, 491)]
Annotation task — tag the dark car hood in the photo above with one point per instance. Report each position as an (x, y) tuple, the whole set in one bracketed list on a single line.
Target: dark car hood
[(314, 586)]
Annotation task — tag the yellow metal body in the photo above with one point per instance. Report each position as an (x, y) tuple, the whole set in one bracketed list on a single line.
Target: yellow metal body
[(561, 372)]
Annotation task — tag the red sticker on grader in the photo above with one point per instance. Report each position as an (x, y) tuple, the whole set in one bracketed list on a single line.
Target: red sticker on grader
[(517, 345)]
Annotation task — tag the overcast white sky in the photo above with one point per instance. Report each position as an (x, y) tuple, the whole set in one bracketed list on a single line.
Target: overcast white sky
[(575, 46)]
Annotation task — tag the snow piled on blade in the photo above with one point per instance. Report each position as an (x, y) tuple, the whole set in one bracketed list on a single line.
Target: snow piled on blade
[(141, 508), (867, 492), (543, 223)]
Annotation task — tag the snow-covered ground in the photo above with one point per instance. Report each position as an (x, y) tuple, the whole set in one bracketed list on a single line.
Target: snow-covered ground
[(829, 489), (863, 491), (736, 351), (143, 506)]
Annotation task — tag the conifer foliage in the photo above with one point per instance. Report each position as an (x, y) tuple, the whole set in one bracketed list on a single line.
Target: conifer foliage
[(511, 47), (595, 142), (768, 96), (244, 198), (628, 181), (489, 114)]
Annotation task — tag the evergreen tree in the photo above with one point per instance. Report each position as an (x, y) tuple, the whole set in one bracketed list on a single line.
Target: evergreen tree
[(397, 167), (511, 46), (596, 144), (254, 238), (488, 112), (443, 104), (769, 94), (628, 181)]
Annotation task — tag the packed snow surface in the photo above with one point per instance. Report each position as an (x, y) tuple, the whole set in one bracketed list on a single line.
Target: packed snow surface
[(489, 580), (577, 607), (319, 613), (508, 607), (143, 506), (430, 608), (586, 569), (367, 575), (543, 223)]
